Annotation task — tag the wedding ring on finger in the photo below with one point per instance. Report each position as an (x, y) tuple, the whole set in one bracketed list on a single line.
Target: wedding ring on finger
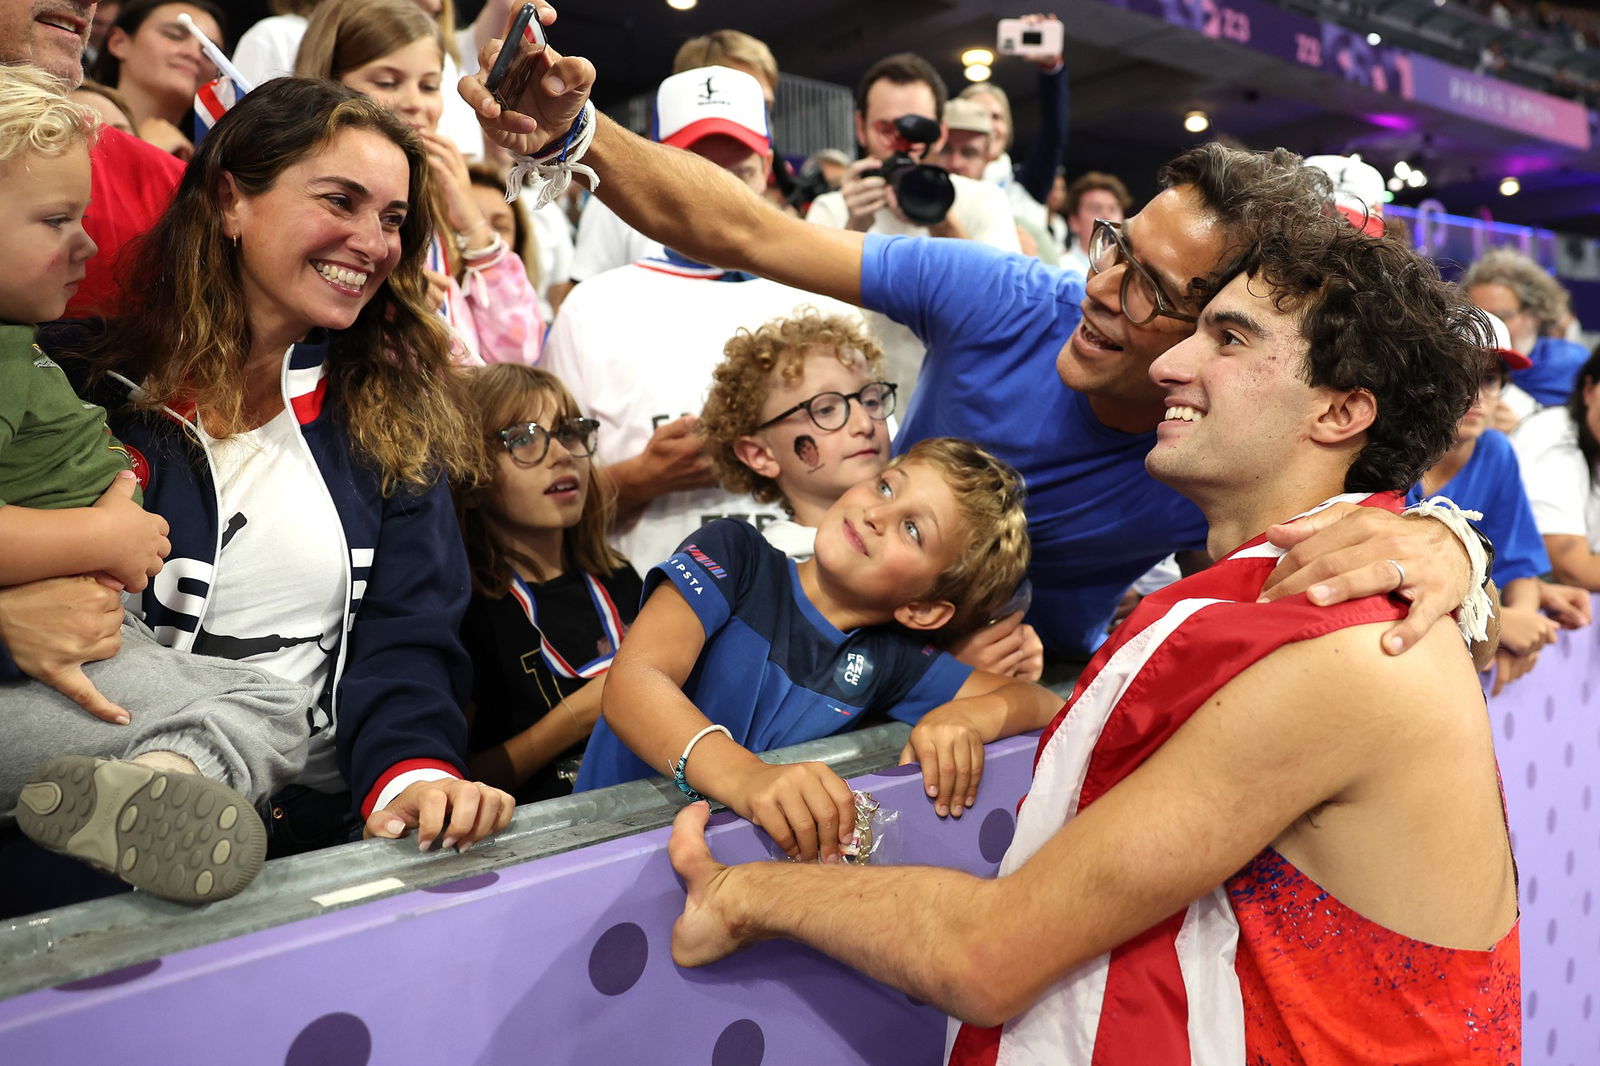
[(1400, 571)]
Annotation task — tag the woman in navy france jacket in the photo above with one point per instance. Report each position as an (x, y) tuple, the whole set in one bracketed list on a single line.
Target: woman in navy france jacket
[(286, 396)]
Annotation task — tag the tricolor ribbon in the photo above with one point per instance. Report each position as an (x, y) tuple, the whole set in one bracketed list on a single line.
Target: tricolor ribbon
[(610, 621)]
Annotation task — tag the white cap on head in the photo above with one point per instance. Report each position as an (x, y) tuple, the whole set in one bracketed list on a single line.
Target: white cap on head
[(1357, 190), (1500, 344), (968, 115), (712, 101)]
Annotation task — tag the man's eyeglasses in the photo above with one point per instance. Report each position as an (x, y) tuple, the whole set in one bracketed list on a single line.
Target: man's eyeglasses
[(831, 410), (1142, 298), (529, 442)]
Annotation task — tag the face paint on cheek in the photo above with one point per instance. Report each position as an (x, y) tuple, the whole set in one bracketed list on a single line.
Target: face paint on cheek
[(805, 449)]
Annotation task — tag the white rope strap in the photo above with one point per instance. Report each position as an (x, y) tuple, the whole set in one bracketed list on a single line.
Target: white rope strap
[(550, 172), (1473, 617)]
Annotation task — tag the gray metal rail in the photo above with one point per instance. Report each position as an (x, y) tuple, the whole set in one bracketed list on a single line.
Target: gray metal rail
[(72, 943)]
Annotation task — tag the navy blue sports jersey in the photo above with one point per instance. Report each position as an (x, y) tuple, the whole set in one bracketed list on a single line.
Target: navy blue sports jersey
[(773, 669)]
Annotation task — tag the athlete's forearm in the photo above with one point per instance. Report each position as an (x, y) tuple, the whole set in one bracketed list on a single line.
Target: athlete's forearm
[(920, 929), (703, 211), (670, 194)]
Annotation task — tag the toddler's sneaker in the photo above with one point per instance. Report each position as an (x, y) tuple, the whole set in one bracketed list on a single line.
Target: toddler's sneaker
[(175, 835)]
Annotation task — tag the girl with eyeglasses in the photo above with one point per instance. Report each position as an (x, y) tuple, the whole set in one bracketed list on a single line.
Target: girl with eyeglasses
[(550, 599)]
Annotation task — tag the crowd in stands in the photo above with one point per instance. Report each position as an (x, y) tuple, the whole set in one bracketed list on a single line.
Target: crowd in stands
[(333, 481)]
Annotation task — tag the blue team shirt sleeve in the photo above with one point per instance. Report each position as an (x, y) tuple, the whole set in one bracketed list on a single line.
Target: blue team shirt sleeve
[(946, 291), (1508, 520), (711, 570), (1491, 483)]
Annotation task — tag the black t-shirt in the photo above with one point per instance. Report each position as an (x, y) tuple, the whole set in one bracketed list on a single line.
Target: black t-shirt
[(512, 685)]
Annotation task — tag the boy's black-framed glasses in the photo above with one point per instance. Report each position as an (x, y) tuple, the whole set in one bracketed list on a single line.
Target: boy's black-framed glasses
[(1141, 297), (831, 410), (529, 442)]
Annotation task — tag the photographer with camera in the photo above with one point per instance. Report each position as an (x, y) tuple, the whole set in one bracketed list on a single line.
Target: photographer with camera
[(896, 188), (899, 125)]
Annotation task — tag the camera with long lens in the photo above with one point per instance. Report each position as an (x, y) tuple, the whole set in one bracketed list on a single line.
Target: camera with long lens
[(924, 192)]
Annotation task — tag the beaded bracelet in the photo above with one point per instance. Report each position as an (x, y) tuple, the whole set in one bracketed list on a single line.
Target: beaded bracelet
[(683, 760)]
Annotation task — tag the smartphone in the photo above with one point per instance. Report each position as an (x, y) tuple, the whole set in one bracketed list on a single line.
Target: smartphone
[(1039, 40), (514, 67)]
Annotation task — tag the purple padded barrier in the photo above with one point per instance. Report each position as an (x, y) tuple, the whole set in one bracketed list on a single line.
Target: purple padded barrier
[(559, 960), (565, 959), (1547, 735)]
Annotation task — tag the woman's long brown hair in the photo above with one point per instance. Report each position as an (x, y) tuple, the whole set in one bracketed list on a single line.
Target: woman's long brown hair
[(185, 335)]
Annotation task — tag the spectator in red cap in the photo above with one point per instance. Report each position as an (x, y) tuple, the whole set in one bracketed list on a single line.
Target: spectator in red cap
[(1480, 473)]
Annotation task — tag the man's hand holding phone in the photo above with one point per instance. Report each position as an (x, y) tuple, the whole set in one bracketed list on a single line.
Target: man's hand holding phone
[(541, 91)]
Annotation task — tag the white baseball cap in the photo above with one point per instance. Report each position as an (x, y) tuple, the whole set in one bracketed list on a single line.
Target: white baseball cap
[(1357, 190), (712, 101), (1500, 344)]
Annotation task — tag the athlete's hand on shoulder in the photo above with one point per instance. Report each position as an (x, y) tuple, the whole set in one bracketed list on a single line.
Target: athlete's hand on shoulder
[(456, 813), (805, 807), (1345, 552), (948, 743)]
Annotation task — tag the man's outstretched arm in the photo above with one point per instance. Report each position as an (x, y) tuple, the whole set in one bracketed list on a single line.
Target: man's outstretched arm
[(1258, 755), (670, 195)]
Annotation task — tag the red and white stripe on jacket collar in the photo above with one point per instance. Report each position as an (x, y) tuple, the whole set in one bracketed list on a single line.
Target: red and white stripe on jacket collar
[(1104, 1012), (305, 387)]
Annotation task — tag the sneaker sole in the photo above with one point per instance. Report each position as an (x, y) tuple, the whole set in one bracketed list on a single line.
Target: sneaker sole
[(178, 836)]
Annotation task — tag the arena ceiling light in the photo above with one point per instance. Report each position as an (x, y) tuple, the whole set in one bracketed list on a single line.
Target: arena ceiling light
[(977, 57), (1197, 121), (1510, 186), (977, 72), (682, 5), (1374, 38)]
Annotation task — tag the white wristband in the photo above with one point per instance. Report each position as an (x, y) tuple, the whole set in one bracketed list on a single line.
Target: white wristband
[(551, 173), (1473, 618), (683, 760)]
